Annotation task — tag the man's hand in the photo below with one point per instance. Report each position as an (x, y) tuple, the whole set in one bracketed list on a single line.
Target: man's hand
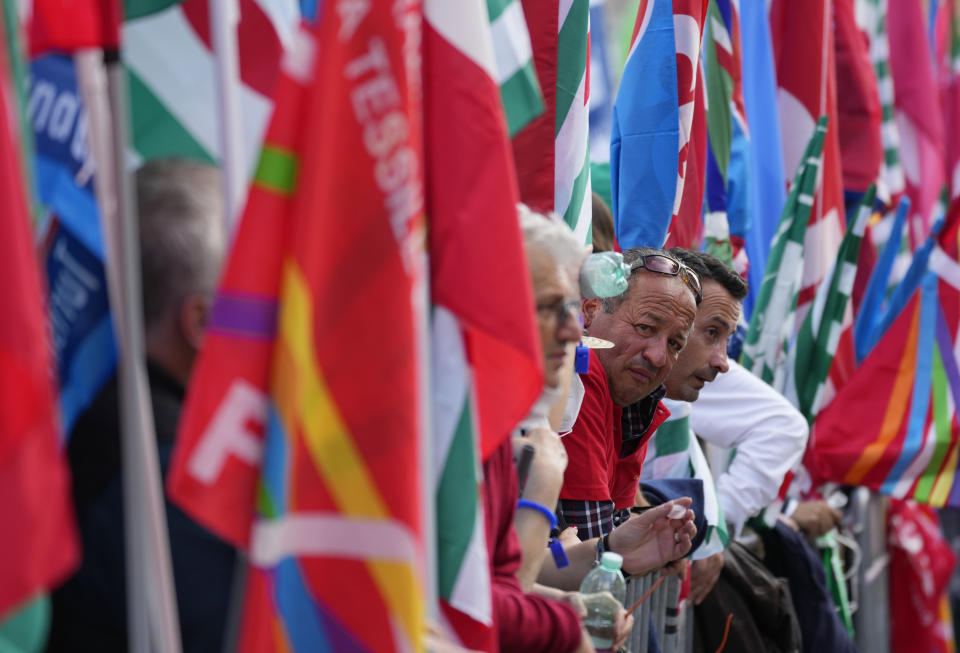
[(703, 576), (651, 539), (815, 518), (549, 463), (586, 644)]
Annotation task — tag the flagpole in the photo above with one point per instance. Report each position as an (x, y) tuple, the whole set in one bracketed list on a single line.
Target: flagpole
[(152, 616), (224, 18)]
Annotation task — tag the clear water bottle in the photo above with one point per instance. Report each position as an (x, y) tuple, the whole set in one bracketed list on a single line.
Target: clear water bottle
[(603, 592), (604, 274)]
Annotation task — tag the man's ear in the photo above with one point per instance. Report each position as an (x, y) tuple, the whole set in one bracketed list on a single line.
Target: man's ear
[(590, 309), (193, 319)]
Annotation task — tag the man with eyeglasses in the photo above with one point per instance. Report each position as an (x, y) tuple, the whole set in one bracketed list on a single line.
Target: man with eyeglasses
[(648, 325)]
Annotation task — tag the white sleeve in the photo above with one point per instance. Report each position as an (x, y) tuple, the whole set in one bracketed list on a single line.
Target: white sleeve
[(739, 410)]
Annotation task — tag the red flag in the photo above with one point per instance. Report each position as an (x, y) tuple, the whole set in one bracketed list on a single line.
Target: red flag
[(39, 545), (948, 76), (533, 146), (69, 25), (858, 106), (804, 54), (478, 268), (921, 563), (687, 227)]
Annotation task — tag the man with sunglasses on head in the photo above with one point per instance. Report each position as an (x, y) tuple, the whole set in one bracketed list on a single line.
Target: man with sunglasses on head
[(648, 324)]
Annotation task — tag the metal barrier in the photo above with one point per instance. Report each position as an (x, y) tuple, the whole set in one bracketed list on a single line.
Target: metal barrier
[(673, 625)]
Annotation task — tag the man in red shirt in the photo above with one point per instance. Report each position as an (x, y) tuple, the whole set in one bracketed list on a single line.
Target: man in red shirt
[(648, 326)]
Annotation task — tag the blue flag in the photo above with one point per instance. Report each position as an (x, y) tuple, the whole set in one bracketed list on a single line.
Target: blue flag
[(644, 153), (767, 191), (73, 249)]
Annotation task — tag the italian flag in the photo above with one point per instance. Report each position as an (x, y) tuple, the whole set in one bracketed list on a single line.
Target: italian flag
[(486, 360), (774, 315), (168, 52)]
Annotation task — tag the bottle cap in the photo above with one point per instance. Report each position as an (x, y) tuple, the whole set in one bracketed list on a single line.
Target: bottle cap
[(611, 560)]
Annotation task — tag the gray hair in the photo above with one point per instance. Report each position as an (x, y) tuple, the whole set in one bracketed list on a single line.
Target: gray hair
[(611, 304), (551, 234), (182, 239)]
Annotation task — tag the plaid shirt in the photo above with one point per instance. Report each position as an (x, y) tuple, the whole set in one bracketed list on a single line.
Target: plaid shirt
[(592, 518), (597, 518)]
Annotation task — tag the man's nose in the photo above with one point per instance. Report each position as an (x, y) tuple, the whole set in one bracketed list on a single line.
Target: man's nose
[(656, 352), (569, 330), (719, 360)]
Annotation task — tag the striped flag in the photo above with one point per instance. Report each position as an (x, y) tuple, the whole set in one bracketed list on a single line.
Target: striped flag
[(806, 77), (486, 359), (552, 153), (893, 427), (775, 313), (170, 59), (674, 452), (948, 74), (872, 17), (282, 445), (513, 58), (812, 353), (727, 217)]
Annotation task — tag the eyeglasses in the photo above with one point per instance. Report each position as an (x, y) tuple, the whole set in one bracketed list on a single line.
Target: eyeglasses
[(561, 310), (663, 264)]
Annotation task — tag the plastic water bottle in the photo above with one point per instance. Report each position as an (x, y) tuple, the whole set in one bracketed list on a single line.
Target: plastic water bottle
[(604, 274), (603, 592)]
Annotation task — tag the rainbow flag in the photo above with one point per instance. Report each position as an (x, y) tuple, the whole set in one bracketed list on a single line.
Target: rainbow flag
[(300, 434), (893, 426)]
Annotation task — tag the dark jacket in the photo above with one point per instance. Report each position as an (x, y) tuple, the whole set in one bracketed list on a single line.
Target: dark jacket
[(89, 610)]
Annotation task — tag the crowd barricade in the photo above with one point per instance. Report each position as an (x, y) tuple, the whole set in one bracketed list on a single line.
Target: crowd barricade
[(659, 612), (869, 591)]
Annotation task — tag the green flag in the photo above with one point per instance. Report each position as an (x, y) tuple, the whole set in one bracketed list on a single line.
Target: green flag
[(774, 314)]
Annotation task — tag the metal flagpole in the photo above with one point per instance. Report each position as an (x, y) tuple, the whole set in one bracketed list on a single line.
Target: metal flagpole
[(224, 18), (152, 616)]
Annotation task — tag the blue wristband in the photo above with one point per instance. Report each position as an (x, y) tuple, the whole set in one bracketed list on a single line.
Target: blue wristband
[(542, 509)]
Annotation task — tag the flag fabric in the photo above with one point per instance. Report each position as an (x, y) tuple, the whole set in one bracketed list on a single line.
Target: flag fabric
[(765, 160), (552, 153), (809, 385), (687, 227), (775, 312), (858, 107), (40, 546), (869, 314), (486, 356), (674, 452), (893, 426), (728, 216), (921, 565), (282, 446), (513, 56), (872, 15), (919, 119), (170, 60), (652, 120), (806, 77), (602, 88), (74, 25), (948, 78), (168, 118)]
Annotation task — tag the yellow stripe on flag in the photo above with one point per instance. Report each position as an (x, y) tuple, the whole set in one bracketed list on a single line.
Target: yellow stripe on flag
[(896, 409), (335, 455)]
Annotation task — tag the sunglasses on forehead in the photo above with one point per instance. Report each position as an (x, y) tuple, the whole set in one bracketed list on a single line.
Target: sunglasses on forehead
[(663, 264)]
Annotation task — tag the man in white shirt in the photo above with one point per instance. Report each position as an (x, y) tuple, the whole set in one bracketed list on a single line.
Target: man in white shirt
[(733, 409)]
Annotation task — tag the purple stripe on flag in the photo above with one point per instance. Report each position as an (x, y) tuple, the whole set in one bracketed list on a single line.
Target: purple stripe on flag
[(244, 316), (945, 344)]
